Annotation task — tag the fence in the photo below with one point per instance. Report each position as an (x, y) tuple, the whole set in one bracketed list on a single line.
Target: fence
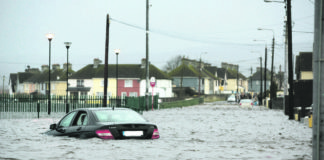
[(25, 106)]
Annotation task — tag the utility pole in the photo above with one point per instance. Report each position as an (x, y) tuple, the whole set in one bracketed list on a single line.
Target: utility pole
[(3, 85), (271, 82), (147, 55), (199, 76), (290, 63), (251, 77), (318, 87), (106, 63), (265, 71), (285, 108), (237, 80), (280, 77), (260, 101), (181, 80)]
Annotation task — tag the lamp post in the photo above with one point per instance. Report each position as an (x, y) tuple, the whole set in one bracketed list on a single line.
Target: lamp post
[(237, 83), (260, 99), (117, 51), (265, 67), (272, 54), (67, 45), (288, 76), (49, 37), (3, 85), (200, 68)]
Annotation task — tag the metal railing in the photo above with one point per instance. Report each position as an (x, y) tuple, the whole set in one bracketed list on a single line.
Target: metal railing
[(25, 106)]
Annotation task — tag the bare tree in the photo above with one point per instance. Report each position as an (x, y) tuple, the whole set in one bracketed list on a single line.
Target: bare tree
[(173, 63)]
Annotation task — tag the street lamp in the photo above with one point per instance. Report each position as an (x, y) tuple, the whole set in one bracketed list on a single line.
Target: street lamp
[(49, 36), (3, 85), (117, 51), (67, 45), (200, 68), (268, 1), (273, 43), (288, 61), (265, 66)]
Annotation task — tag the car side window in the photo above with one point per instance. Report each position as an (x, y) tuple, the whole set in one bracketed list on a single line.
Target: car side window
[(82, 119), (66, 121)]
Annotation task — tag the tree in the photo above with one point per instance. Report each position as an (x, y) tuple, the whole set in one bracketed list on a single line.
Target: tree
[(173, 63)]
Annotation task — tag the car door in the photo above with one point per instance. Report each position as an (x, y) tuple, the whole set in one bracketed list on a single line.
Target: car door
[(63, 127), (79, 124)]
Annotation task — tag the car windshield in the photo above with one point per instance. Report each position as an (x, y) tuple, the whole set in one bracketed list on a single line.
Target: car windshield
[(118, 116)]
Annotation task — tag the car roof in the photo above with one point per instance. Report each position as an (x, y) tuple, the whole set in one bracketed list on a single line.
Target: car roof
[(102, 108), (246, 100)]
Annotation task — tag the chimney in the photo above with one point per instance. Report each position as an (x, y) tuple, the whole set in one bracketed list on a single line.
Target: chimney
[(55, 66), (143, 63), (64, 66), (258, 69), (44, 67), (96, 62)]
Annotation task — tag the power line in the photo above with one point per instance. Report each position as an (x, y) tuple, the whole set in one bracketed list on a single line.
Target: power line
[(183, 37)]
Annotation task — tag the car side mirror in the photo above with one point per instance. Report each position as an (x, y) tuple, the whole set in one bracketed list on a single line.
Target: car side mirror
[(53, 126)]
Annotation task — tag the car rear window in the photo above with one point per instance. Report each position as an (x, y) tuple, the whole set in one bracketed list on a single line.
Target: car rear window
[(118, 116)]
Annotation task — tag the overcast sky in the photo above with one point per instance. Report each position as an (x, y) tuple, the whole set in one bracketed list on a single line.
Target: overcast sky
[(214, 30)]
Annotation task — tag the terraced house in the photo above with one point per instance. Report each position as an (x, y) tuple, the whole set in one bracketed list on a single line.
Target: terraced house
[(35, 81), (131, 80)]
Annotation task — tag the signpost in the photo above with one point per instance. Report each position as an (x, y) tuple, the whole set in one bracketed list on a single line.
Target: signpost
[(152, 85)]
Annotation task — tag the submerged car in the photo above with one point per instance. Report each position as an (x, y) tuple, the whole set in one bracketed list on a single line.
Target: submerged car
[(246, 103), (105, 123), (231, 98)]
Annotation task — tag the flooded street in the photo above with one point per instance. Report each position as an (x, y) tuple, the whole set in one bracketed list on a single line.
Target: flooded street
[(206, 131)]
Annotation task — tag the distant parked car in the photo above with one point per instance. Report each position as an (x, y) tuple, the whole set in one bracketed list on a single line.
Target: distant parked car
[(231, 98), (105, 123), (246, 103)]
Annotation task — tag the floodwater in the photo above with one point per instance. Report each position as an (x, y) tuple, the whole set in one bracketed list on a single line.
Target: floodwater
[(206, 131)]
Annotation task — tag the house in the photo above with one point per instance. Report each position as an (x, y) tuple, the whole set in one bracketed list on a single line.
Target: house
[(33, 81), (233, 80), (255, 81), (216, 84), (131, 80), (188, 74), (303, 85), (304, 66), (221, 74)]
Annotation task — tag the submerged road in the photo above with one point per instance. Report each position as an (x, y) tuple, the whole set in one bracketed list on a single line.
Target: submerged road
[(209, 131)]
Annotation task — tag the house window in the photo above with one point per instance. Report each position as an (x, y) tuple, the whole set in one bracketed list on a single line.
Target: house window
[(83, 94), (103, 83), (128, 83), (100, 94), (133, 94), (124, 94), (80, 83), (257, 82)]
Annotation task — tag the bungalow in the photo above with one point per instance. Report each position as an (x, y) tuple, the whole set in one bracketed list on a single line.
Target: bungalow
[(200, 81)]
